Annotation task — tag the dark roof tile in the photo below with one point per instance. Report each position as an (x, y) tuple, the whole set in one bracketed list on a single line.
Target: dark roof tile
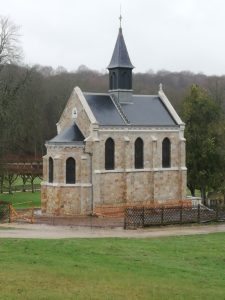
[(69, 135)]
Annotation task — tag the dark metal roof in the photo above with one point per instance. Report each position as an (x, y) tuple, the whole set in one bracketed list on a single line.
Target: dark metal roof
[(120, 57), (104, 109), (69, 135), (141, 110), (147, 110)]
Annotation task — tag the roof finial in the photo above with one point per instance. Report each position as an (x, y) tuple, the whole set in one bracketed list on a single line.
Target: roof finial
[(160, 87), (120, 17)]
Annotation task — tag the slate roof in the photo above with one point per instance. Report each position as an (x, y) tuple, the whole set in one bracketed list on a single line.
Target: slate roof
[(120, 57), (104, 109), (69, 135), (142, 110)]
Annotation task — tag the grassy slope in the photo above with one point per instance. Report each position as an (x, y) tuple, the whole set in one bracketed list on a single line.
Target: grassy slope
[(20, 197), (190, 267)]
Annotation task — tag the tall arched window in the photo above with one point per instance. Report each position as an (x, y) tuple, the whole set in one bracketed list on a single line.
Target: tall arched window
[(166, 153), (114, 85), (70, 170), (124, 79), (139, 154), (50, 169), (109, 154)]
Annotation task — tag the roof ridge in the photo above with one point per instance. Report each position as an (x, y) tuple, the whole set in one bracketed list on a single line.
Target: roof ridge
[(119, 109)]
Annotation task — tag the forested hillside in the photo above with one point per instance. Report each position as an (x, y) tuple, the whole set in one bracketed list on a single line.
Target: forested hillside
[(32, 99)]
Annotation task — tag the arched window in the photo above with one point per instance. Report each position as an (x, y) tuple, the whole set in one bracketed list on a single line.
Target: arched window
[(70, 170), (50, 169), (139, 154), (109, 154), (124, 79), (113, 81), (166, 153)]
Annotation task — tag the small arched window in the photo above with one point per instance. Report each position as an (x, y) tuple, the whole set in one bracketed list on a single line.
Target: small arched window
[(114, 81), (139, 154), (166, 153), (109, 154), (124, 79), (50, 169), (70, 170), (111, 82)]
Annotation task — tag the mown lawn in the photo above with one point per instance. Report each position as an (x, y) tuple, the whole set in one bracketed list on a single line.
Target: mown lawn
[(21, 197), (191, 267)]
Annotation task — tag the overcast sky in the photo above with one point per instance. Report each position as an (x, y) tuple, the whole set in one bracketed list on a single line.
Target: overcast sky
[(160, 34)]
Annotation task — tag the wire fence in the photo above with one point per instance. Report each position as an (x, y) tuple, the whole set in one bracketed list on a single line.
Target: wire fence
[(135, 217)]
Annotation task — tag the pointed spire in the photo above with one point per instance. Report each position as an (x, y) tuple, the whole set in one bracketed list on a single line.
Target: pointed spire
[(120, 57)]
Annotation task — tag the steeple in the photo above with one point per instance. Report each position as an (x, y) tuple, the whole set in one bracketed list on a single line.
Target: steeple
[(120, 57), (120, 68)]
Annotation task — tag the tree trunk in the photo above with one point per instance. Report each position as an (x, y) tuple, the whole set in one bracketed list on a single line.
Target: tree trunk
[(203, 194), (192, 190)]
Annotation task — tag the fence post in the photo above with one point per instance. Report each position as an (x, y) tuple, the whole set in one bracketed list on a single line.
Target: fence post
[(32, 214), (181, 214), (125, 219), (162, 215), (199, 213), (10, 213)]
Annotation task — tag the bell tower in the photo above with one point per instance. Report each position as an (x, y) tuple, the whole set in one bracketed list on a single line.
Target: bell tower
[(120, 70)]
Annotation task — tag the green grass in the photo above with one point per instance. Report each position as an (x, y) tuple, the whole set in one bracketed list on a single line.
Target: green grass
[(20, 197), (191, 267)]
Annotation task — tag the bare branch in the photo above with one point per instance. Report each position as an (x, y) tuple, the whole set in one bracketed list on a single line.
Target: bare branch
[(10, 50)]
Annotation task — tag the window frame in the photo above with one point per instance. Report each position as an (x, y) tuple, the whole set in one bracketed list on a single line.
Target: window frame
[(109, 154), (70, 170), (50, 170), (166, 153), (139, 153)]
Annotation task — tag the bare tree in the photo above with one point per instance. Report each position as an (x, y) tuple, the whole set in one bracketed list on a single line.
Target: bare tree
[(10, 50)]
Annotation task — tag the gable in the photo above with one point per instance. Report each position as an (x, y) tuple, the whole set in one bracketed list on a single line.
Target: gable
[(77, 111)]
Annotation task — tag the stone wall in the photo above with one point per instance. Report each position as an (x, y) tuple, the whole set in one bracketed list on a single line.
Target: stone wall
[(66, 200), (62, 198), (126, 184)]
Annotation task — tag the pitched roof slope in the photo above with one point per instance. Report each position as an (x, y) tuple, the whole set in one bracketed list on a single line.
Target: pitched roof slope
[(141, 110), (69, 135)]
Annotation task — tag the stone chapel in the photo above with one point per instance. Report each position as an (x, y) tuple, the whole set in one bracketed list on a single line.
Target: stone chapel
[(114, 149)]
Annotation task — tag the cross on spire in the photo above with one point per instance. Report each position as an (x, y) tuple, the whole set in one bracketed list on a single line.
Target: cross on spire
[(120, 17)]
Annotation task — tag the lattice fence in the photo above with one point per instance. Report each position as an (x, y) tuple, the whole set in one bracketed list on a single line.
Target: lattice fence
[(143, 216)]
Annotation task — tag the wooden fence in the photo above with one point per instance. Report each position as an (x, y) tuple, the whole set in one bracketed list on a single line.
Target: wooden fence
[(135, 217), (8, 213)]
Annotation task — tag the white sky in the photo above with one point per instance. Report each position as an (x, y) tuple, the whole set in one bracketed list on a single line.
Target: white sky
[(160, 34)]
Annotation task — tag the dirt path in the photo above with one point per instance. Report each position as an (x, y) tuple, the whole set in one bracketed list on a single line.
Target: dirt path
[(59, 232)]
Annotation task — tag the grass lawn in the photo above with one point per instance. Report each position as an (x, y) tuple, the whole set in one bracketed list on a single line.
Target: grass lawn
[(20, 197), (190, 267)]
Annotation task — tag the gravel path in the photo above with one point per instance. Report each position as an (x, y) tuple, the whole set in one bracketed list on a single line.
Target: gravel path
[(40, 231)]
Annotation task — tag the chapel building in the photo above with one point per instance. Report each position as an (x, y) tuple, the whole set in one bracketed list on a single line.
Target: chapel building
[(114, 149)]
